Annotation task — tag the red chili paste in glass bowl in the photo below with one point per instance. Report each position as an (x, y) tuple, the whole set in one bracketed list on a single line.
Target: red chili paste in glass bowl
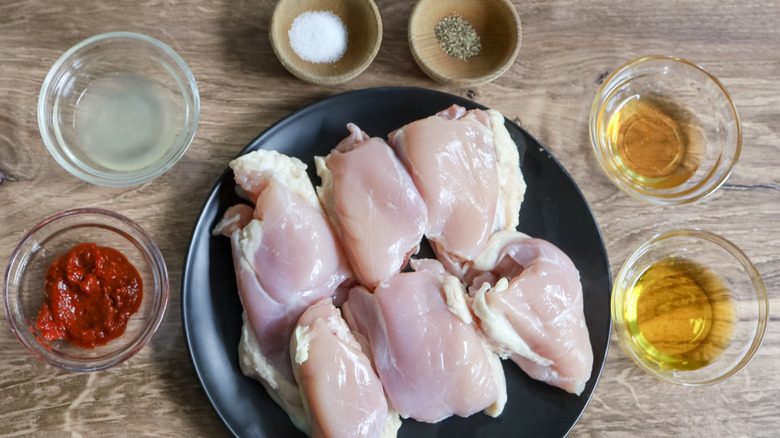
[(89, 295)]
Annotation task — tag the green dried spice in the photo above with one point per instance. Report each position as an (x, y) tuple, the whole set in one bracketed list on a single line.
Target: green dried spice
[(457, 38)]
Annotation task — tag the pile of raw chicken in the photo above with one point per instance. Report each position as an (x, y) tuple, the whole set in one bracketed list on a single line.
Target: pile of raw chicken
[(348, 332)]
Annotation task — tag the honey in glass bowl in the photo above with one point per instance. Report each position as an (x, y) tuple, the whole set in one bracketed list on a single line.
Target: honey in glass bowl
[(665, 131), (657, 141)]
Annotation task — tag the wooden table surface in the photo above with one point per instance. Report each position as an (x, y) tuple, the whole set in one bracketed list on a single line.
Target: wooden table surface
[(569, 47)]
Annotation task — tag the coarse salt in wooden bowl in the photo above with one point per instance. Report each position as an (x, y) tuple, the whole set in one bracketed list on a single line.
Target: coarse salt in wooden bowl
[(364, 36), (495, 21)]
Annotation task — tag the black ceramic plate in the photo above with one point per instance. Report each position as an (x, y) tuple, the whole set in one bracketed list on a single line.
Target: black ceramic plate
[(553, 209)]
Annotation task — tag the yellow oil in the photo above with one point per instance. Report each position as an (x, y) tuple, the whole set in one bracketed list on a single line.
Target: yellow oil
[(655, 142), (680, 314)]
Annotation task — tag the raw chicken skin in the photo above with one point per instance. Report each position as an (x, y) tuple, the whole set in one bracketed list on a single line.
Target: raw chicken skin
[(466, 168), (453, 164), (342, 394), (373, 205), (286, 258), (293, 249), (431, 362), (528, 298)]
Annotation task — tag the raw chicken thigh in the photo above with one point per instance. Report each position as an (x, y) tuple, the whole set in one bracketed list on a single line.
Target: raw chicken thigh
[(527, 296), (466, 167), (431, 360), (373, 206), (286, 258), (342, 394)]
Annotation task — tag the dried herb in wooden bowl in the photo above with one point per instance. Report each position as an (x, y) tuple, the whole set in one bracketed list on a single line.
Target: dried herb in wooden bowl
[(457, 38)]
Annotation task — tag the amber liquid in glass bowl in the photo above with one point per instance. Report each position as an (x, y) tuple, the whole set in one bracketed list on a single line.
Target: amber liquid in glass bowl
[(655, 141)]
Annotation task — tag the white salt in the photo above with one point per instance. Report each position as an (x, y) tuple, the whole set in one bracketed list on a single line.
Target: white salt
[(318, 36)]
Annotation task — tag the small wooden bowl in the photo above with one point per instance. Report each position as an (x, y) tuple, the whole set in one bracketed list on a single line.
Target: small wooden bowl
[(364, 27), (495, 21)]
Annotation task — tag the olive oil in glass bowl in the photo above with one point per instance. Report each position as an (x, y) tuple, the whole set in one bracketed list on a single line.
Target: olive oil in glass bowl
[(689, 307), (680, 313)]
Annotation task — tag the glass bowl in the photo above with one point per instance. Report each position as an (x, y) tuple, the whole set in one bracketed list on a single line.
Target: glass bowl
[(118, 109), (665, 131), (23, 285), (698, 317)]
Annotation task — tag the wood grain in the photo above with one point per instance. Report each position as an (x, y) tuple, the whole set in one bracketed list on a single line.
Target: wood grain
[(569, 47)]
